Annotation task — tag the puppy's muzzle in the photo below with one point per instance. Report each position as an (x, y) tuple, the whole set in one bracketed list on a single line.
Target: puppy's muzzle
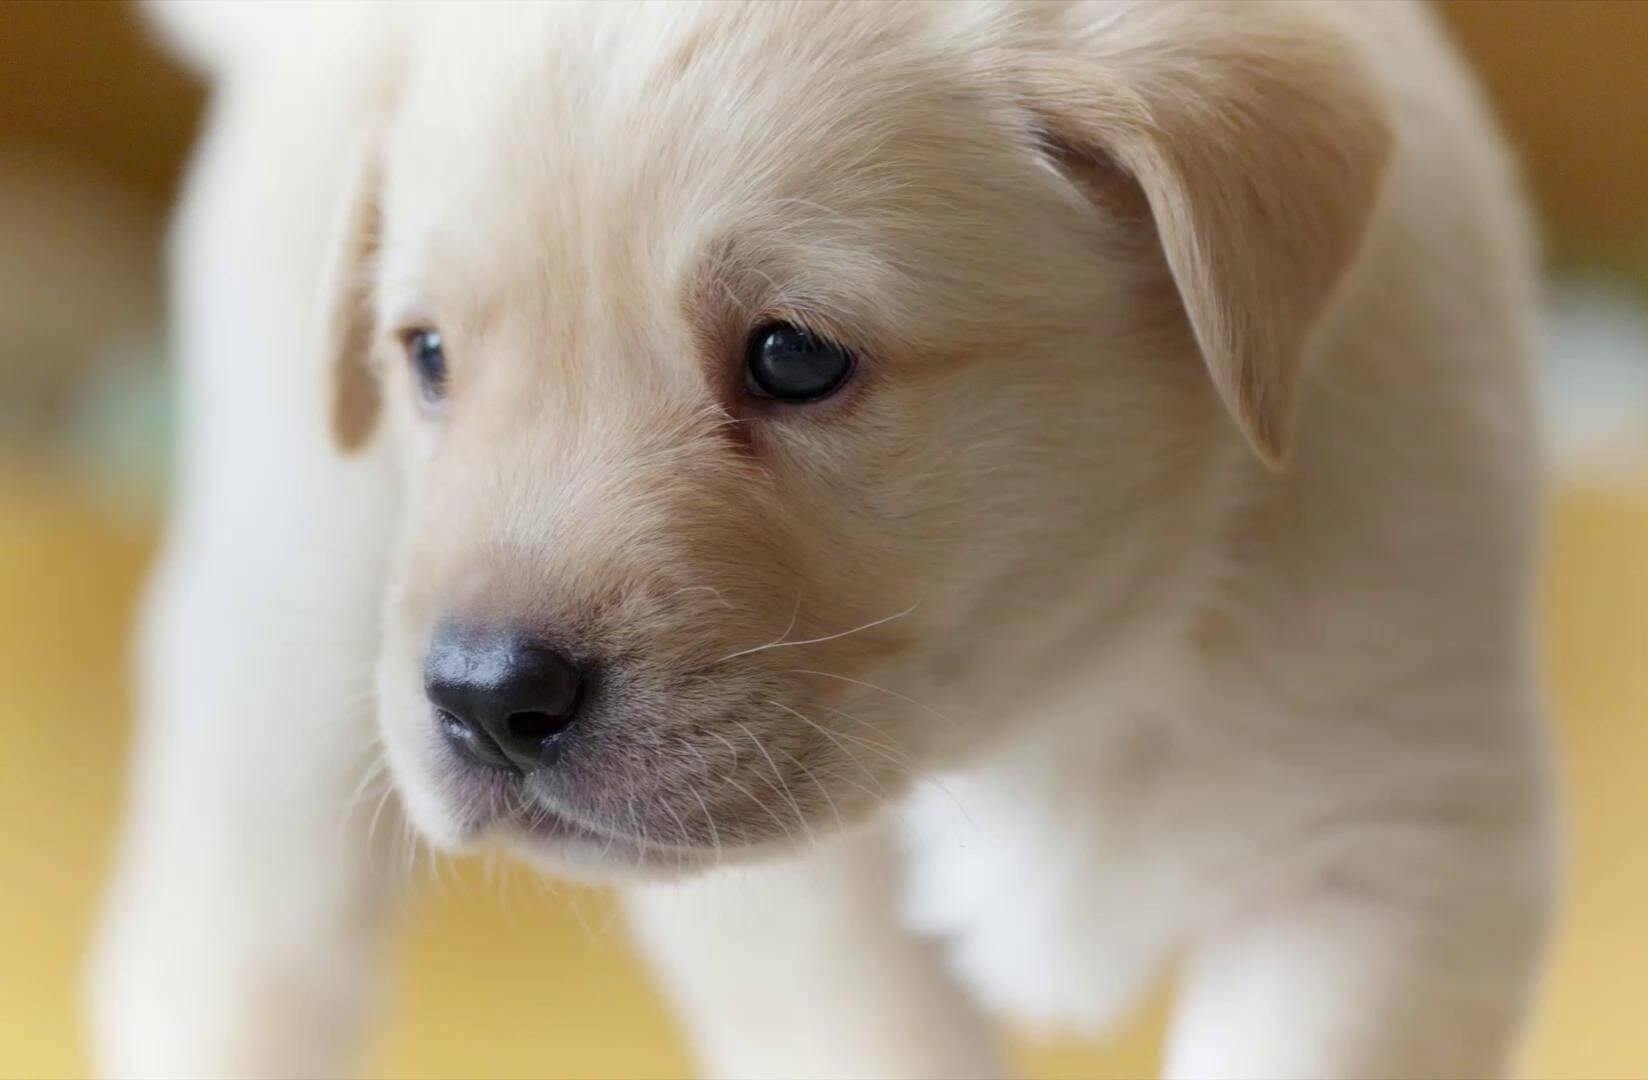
[(502, 698)]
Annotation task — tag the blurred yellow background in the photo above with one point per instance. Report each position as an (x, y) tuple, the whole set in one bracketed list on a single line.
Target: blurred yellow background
[(93, 128)]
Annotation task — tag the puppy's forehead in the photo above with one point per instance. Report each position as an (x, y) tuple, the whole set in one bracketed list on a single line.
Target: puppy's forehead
[(615, 140)]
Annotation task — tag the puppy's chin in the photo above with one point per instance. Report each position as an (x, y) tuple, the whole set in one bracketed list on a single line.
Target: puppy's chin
[(555, 844), (609, 861), (451, 818), (464, 810)]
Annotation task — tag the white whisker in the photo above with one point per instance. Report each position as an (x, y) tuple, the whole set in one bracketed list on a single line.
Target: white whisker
[(840, 822), (794, 614), (781, 643), (837, 737), (881, 689), (778, 774), (709, 819)]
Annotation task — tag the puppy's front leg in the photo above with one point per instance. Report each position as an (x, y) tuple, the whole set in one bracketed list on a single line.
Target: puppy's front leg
[(239, 933), (1347, 983), (800, 968), (239, 930)]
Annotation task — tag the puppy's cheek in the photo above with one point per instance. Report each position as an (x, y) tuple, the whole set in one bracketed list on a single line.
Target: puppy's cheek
[(409, 741)]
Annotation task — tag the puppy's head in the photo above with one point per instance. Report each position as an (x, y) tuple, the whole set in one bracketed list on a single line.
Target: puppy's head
[(778, 388)]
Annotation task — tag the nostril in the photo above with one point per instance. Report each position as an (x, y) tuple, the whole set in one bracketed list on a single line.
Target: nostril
[(536, 726), (472, 742)]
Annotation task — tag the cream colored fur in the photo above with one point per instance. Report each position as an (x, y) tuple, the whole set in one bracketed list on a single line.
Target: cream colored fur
[(1159, 594)]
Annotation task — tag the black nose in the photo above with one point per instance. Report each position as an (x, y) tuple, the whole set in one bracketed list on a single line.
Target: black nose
[(502, 698)]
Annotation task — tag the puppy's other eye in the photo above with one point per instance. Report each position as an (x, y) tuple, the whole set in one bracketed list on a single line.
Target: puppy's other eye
[(428, 355), (786, 363)]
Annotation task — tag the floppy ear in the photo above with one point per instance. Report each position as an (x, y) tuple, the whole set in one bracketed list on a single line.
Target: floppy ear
[(1259, 145), (350, 321)]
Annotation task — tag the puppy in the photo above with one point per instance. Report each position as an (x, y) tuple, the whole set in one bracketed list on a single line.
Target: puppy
[(962, 507)]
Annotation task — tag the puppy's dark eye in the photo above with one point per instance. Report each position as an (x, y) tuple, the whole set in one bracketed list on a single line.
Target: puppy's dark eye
[(428, 355), (786, 363)]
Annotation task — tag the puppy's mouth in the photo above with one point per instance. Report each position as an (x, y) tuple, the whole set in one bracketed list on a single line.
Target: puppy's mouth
[(506, 807)]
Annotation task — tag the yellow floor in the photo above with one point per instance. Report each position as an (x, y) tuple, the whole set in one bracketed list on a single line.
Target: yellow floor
[(481, 955)]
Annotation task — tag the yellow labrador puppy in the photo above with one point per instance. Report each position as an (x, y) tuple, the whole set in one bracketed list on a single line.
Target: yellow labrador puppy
[(960, 506)]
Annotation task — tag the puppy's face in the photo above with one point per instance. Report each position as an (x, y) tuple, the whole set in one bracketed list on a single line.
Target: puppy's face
[(771, 399)]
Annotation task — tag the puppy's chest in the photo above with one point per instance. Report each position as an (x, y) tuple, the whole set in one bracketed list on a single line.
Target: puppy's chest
[(1058, 882)]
